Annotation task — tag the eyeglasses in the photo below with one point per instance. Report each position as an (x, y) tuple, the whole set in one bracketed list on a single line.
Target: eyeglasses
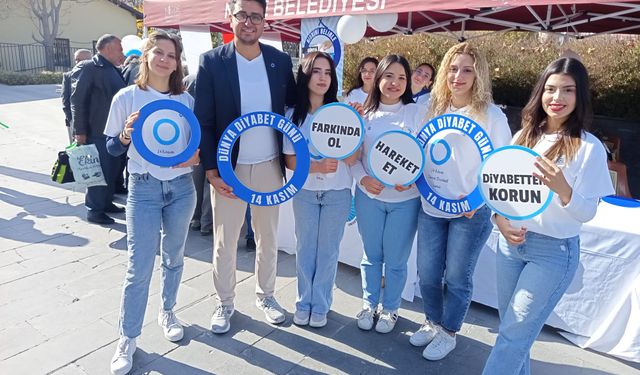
[(255, 18), (365, 71)]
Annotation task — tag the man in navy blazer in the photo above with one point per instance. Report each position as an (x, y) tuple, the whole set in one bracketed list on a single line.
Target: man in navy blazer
[(238, 78)]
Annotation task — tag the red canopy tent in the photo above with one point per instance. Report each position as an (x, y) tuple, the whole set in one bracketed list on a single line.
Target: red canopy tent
[(571, 17)]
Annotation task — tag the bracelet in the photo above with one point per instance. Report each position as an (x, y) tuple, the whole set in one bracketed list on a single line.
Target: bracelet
[(124, 135)]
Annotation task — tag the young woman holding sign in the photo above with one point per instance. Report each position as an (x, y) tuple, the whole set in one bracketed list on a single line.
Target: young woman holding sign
[(537, 258), (449, 243), (421, 81), (359, 92), (387, 216), (160, 201), (322, 206)]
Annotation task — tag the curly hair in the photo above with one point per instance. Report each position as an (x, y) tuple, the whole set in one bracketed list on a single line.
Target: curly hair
[(481, 95)]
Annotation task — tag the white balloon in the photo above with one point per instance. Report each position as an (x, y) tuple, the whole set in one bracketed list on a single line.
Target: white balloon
[(351, 28), (131, 43), (382, 22)]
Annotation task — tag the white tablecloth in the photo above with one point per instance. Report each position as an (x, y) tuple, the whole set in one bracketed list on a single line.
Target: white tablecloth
[(601, 308)]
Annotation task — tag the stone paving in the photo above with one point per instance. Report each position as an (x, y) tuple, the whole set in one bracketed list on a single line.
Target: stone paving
[(60, 286)]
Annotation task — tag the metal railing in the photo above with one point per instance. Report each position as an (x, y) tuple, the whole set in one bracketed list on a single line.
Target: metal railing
[(31, 58)]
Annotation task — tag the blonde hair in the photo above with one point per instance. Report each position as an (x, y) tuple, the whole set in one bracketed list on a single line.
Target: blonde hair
[(481, 95)]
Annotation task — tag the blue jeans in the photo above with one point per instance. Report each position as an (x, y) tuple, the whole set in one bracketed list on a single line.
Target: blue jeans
[(320, 218), (158, 215), (532, 278), (387, 231), (448, 251)]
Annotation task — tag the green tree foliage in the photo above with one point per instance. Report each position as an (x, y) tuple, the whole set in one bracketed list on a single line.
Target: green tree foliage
[(517, 58)]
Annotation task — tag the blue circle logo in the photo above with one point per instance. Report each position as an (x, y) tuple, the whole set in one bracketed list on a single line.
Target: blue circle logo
[(156, 157), (447, 150), (156, 131), (322, 31), (483, 144), (232, 133)]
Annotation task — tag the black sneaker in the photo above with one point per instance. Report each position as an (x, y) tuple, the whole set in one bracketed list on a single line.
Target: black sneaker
[(251, 244), (113, 209), (99, 218), (195, 225)]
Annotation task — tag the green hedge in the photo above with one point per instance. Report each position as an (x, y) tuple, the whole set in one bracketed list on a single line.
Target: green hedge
[(517, 58), (40, 78)]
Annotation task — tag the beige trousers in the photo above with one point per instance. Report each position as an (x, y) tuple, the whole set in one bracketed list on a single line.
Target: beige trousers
[(228, 219)]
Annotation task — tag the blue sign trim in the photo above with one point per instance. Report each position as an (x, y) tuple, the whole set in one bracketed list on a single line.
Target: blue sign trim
[(336, 104), (477, 135), (511, 217), (323, 30), (419, 174), (172, 105), (232, 133), (621, 201), (156, 132)]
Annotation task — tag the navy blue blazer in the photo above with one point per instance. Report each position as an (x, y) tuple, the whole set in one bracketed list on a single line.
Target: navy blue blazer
[(217, 99)]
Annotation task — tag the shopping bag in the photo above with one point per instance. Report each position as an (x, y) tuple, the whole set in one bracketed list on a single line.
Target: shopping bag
[(85, 164), (61, 171)]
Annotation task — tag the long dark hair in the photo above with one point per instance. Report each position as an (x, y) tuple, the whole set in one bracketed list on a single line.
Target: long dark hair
[(302, 85), (373, 101), (359, 82), (433, 73), (176, 87), (534, 116)]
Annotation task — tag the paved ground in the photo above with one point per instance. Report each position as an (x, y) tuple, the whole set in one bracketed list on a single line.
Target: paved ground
[(60, 285)]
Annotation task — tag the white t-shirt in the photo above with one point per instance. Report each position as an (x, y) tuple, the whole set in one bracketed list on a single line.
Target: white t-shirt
[(356, 96), (422, 99), (339, 180), (260, 143), (460, 172), (405, 117), (588, 176), (130, 99)]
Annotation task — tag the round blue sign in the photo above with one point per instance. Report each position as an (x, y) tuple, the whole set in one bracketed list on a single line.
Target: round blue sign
[(232, 133), (324, 33), (482, 142), (155, 157)]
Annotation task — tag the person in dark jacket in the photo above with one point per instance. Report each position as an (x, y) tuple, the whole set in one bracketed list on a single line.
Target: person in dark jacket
[(67, 79), (234, 79), (98, 81)]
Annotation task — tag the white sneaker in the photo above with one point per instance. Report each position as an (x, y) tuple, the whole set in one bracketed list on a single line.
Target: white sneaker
[(301, 318), (365, 318), (273, 312), (318, 320), (171, 326), (122, 360), (424, 335), (386, 321), (220, 321), (441, 345)]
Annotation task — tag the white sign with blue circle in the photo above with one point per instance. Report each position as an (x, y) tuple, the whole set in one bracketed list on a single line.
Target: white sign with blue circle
[(166, 133), (337, 131), (249, 121), (396, 158), (508, 185), (437, 137)]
